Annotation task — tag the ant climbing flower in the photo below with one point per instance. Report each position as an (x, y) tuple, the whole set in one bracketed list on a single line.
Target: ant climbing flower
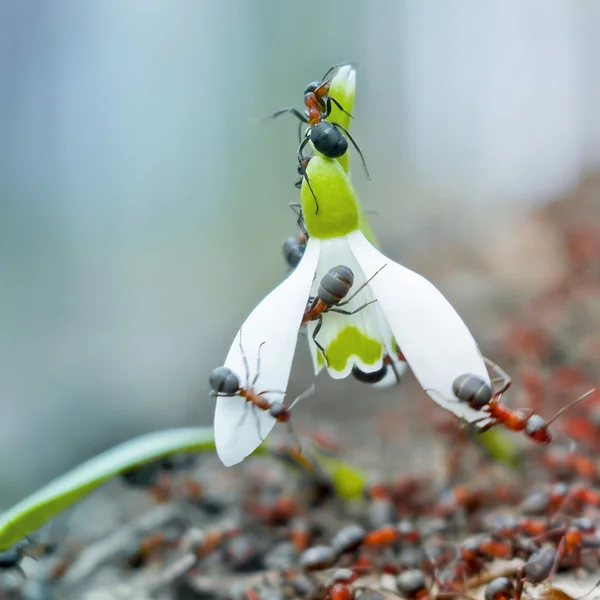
[(358, 307)]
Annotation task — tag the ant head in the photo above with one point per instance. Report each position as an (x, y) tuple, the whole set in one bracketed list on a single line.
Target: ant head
[(312, 87), (537, 428), (328, 139), (336, 284), (276, 409), (224, 381), (472, 390)]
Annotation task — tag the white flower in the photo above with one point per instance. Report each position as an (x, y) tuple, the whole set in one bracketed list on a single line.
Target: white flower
[(409, 311)]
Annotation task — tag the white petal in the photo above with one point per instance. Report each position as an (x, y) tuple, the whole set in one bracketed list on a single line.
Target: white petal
[(275, 321), (431, 335), (334, 252)]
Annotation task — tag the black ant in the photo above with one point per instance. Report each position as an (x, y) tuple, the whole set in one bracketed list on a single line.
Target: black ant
[(225, 383), (327, 138), (474, 391), (333, 288), (293, 249), (390, 373)]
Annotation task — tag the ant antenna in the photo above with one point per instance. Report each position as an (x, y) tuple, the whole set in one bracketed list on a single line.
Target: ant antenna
[(570, 405), (305, 394)]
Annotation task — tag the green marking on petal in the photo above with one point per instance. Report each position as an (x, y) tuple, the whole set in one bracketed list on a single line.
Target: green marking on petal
[(351, 341), (338, 213)]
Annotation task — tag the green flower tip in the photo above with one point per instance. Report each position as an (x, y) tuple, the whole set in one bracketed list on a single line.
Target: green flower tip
[(332, 210), (343, 89)]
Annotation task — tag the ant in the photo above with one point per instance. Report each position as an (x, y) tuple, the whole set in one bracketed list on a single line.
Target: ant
[(334, 287), (293, 249), (475, 392), (579, 534), (327, 138), (225, 383), (390, 374), (317, 101)]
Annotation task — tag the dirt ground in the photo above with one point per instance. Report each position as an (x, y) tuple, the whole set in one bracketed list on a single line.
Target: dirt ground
[(531, 296)]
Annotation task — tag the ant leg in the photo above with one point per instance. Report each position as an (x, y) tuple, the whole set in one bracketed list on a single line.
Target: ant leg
[(349, 64), (487, 426), (257, 364), (330, 100), (364, 285), (245, 359), (301, 159), (314, 337), (560, 551), (293, 111), (296, 440), (503, 376), (244, 415), (352, 312), (300, 123), (297, 208), (257, 421), (338, 126)]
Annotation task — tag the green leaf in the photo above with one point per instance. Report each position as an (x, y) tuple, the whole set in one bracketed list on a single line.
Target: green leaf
[(41, 506), (60, 494)]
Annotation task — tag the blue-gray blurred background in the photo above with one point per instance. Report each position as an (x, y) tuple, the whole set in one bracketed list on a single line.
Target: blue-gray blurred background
[(143, 206)]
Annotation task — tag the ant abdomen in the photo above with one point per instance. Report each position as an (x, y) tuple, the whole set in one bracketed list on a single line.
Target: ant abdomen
[(335, 285), (224, 381), (328, 140), (472, 390), (372, 377)]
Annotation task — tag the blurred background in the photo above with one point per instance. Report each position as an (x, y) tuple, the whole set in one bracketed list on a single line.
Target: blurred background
[(143, 206)]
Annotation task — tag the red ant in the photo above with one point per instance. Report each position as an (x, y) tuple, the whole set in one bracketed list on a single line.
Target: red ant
[(333, 288), (475, 392), (317, 100), (327, 138), (579, 534), (225, 383)]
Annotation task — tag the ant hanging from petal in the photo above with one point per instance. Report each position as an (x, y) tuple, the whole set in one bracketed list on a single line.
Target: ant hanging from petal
[(390, 373), (225, 383), (333, 288), (474, 391)]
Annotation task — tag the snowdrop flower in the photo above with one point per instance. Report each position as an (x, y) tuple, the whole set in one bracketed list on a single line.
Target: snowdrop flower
[(405, 310)]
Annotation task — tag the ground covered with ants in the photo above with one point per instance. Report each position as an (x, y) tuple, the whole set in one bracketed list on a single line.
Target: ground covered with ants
[(461, 525)]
